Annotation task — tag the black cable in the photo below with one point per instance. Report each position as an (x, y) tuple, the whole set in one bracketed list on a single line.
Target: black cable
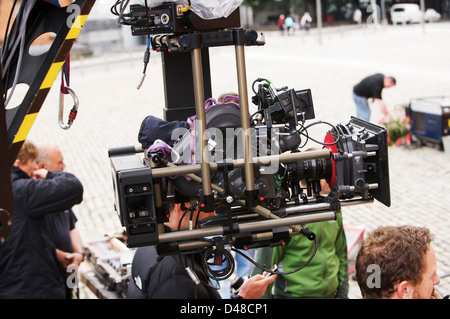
[(5, 38), (17, 35), (118, 9), (314, 140), (307, 139), (227, 271), (123, 6), (222, 273), (253, 84), (114, 8), (190, 209), (185, 265), (278, 272)]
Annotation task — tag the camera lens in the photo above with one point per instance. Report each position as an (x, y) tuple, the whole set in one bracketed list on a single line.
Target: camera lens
[(315, 169)]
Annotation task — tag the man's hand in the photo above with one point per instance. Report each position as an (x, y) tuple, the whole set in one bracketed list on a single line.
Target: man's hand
[(384, 110), (255, 287), (39, 174), (62, 258), (67, 259), (75, 258)]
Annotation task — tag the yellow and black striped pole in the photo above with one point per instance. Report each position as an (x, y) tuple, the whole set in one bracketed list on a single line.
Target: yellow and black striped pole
[(64, 40), (39, 73)]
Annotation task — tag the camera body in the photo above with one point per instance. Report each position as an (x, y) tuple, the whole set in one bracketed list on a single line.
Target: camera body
[(250, 169), (353, 161)]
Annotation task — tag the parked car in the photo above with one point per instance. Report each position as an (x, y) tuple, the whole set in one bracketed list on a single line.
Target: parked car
[(406, 13), (432, 15)]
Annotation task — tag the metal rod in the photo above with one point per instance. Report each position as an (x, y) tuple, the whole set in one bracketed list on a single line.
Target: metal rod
[(319, 20), (422, 15), (288, 221), (173, 170), (247, 227), (196, 244), (269, 235), (201, 118), (324, 206), (347, 202), (245, 118), (158, 199)]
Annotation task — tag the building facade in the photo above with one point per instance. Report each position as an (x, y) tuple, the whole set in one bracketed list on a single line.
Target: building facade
[(266, 12)]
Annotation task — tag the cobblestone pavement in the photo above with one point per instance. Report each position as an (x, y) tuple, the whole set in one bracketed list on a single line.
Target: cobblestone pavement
[(111, 110)]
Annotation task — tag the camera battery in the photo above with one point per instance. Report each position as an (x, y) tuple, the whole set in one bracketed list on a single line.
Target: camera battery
[(169, 18), (133, 190)]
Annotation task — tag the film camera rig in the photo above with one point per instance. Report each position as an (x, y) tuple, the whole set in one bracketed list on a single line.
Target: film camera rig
[(255, 192)]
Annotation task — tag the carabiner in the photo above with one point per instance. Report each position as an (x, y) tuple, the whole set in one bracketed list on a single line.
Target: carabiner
[(73, 112)]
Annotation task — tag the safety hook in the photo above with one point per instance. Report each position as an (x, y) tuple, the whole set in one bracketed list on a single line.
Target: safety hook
[(73, 111)]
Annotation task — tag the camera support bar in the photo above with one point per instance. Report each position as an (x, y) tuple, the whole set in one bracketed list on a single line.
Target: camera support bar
[(194, 43), (131, 176), (249, 227), (172, 169), (245, 124), (206, 200), (186, 240)]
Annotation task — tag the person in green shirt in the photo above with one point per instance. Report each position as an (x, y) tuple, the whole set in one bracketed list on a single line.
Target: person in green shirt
[(326, 276)]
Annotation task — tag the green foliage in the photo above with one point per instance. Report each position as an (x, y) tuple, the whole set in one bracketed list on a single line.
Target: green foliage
[(398, 130)]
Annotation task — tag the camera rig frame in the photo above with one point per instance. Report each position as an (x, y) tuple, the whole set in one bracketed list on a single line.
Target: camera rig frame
[(354, 160)]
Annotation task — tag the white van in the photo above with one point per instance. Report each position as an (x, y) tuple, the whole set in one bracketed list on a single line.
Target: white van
[(406, 13)]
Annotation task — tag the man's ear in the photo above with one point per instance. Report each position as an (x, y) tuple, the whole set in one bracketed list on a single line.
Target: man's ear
[(404, 290), (180, 208)]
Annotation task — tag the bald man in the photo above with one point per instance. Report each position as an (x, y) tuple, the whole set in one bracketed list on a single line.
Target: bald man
[(69, 247)]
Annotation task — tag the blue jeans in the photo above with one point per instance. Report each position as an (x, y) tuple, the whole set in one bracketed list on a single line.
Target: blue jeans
[(362, 107)]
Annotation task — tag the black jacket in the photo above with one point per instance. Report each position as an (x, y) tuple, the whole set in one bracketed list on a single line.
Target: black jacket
[(166, 278), (28, 264)]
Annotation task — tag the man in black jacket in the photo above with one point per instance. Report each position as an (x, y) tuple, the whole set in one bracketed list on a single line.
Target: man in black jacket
[(28, 264), (69, 247)]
